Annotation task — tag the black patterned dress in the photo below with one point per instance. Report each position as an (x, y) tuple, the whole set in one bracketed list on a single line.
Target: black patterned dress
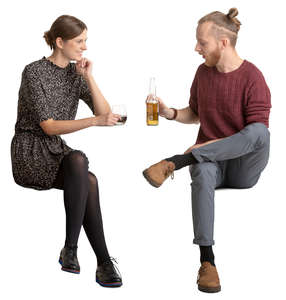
[(46, 91)]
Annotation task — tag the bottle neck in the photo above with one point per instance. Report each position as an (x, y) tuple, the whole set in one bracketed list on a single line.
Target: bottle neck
[(152, 87)]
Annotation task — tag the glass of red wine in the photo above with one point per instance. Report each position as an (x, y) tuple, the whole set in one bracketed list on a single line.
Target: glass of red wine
[(120, 109)]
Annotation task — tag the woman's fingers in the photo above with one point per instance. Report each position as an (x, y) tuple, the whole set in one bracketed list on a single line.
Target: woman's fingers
[(112, 119)]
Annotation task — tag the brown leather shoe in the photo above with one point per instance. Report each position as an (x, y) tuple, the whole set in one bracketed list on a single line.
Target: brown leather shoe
[(158, 173), (208, 280)]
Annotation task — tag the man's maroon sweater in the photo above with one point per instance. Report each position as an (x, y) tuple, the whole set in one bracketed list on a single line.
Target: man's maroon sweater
[(227, 102)]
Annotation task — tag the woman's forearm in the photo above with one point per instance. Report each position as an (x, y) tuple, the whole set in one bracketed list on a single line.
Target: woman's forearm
[(58, 127), (100, 104)]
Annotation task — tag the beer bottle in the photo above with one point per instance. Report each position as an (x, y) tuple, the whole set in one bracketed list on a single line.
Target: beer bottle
[(152, 105)]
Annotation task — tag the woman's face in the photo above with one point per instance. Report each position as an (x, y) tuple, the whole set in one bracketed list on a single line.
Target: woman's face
[(74, 48)]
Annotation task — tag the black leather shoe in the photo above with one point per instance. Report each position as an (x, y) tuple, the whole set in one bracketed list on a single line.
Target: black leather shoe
[(108, 275), (68, 260)]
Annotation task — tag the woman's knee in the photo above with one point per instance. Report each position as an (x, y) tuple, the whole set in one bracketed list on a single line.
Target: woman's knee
[(92, 179), (76, 159)]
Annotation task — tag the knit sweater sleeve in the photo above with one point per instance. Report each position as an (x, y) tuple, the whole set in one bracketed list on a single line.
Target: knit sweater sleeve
[(193, 102), (258, 101)]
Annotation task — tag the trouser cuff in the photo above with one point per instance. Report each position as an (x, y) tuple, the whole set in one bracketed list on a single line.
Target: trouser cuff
[(203, 242)]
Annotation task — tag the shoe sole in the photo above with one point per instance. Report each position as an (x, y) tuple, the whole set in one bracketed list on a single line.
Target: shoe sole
[(153, 183), (209, 289), (68, 270), (111, 284)]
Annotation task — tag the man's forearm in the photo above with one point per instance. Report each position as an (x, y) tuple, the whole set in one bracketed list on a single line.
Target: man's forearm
[(185, 115)]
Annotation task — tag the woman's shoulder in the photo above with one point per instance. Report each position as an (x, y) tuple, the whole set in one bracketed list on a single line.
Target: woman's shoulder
[(37, 64), (44, 64), (36, 67)]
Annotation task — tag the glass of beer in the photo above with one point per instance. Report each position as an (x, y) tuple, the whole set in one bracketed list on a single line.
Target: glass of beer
[(120, 109)]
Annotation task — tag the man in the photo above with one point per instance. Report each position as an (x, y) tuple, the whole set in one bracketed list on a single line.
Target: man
[(230, 99)]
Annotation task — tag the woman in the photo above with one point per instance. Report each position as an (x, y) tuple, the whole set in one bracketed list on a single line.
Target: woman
[(48, 101)]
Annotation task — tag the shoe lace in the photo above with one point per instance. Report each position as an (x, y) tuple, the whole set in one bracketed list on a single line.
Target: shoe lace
[(112, 261), (202, 269), (169, 172)]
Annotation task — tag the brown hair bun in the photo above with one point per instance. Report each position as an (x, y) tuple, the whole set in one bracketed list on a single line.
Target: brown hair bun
[(232, 13), (48, 38)]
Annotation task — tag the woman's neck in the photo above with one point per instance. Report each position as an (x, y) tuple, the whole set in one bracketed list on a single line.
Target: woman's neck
[(58, 59)]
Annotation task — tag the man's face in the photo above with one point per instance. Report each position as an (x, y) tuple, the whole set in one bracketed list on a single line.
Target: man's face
[(207, 45)]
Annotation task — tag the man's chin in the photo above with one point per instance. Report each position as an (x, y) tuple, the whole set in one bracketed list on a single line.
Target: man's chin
[(210, 63)]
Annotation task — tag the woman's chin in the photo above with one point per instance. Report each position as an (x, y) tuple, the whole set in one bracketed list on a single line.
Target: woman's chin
[(76, 58)]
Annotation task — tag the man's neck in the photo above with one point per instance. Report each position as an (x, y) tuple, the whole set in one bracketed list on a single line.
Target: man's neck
[(229, 62), (58, 59)]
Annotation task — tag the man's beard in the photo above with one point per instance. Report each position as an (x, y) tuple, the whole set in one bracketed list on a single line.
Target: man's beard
[(213, 58)]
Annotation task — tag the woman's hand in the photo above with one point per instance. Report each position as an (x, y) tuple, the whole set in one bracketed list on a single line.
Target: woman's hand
[(84, 67), (108, 119)]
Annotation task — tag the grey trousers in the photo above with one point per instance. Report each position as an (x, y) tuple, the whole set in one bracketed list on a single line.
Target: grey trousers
[(234, 162)]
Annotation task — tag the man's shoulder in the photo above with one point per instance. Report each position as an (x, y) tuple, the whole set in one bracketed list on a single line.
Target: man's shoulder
[(251, 72), (201, 69)]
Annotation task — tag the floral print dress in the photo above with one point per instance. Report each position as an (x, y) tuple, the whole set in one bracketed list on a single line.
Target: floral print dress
[(46, 91)]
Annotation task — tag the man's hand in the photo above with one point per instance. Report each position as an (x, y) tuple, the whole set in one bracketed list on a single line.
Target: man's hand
[(164, 110), (200, 145)]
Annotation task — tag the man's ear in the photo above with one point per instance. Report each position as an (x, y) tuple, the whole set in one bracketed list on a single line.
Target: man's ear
[(225, 42)]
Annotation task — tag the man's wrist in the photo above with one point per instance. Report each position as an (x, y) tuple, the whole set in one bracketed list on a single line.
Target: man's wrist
[(173, 114)]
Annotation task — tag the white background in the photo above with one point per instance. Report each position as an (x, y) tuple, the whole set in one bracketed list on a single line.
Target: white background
[(149, 230)]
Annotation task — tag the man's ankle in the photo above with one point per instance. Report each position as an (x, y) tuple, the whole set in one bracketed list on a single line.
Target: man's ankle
[(207, 254)]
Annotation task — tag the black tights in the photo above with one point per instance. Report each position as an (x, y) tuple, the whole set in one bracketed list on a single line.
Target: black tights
[(81, 199)]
